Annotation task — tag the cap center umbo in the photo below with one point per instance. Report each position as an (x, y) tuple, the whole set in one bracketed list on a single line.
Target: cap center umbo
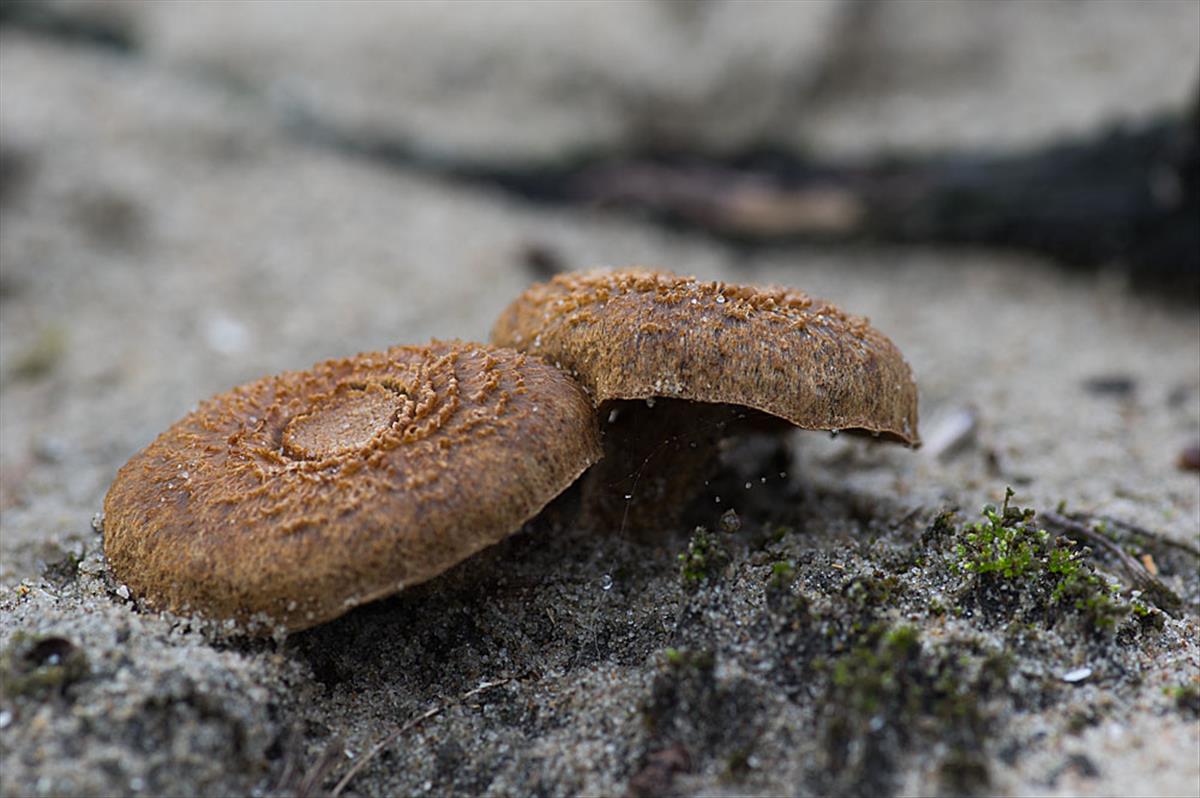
[(345, 421)]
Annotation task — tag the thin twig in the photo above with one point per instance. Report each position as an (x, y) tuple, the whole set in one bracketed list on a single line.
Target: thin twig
[(289, 767), (402, 730), (1141, 578), (1146, 533), (309, 780)]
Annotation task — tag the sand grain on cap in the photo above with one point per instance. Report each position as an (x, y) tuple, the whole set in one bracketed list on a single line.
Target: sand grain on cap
[(296, 497)]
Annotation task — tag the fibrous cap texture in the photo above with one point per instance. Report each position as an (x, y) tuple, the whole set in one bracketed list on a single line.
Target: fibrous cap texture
[(638, 334), (292, 499)]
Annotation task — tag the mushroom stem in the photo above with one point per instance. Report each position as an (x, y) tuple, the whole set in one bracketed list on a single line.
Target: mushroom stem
[(658, 455)]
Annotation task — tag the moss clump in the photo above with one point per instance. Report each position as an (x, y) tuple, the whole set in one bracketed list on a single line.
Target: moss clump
[(1005, 543), (704, 558), (1147, 616), (41, 665), (890, 692), (1187, 698), (703, 661), (870, 594), (964, 773), (791, 609), (774, 533), (943, 529), (1098, 599), (737, 765), (1007, 547), (709, 715), (867, 675), (783, 573)]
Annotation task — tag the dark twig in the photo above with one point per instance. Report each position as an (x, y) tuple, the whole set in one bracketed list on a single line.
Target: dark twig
[(311, 779), (1141, 578), (1134, 529), (285, 778), (400, 731)]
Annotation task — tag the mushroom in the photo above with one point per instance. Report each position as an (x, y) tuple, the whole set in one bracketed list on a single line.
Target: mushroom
[(707, 359), (291, 500)]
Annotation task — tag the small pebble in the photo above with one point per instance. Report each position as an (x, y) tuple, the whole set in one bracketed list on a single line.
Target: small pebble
[(1077, 675), (953, 433), (226, 336), (730, 521), (1114, 385)]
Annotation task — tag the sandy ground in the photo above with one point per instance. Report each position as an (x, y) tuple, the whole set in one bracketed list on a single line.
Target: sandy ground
[(167, 234)]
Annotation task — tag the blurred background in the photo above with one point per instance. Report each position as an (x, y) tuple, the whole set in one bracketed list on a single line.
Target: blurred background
[(196, 194)]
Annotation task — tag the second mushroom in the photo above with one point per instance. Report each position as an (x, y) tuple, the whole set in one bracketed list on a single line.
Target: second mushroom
[(674, 364)]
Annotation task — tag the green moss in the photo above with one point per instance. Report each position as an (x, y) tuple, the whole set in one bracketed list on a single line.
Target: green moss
[(890, 691), (1187, 697), (1008, 546), (684, 660), (1148, 617), (737, 765), (783, 573), (704, 558), (1004, 543), (684, 678), (872, 593), (965, 773), (868, 675), (1096, 597), (770, 533), (1081, 718), (903, 641)]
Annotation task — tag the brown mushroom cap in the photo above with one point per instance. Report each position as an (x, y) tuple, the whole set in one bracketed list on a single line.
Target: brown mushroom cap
[(296, 497), (637, 334)]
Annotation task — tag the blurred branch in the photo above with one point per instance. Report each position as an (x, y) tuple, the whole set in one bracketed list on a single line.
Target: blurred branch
[(1124, 196), (96, 27), (1129, 196)]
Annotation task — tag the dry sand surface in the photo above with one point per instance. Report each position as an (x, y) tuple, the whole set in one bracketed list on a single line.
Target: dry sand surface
[(169, 231)]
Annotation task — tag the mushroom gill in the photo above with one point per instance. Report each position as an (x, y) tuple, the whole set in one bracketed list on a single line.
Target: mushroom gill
[(290, 500)]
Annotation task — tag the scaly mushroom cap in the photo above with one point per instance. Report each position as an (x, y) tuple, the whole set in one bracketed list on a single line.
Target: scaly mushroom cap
[(638, 334), (294, 498)]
